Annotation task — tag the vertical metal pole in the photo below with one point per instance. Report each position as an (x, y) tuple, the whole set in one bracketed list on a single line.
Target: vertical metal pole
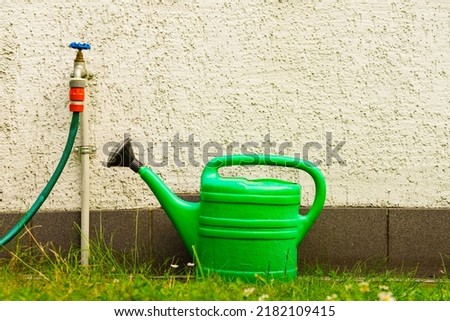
[(84, 187), (78, 82)]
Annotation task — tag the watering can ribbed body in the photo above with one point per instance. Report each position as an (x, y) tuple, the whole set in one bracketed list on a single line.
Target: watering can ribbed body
[(249, 228)]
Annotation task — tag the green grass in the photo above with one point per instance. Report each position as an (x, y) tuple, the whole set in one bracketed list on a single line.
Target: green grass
[(44, 274)]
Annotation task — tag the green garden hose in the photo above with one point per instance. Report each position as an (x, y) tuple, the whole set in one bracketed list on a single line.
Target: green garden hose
[(48, 188)]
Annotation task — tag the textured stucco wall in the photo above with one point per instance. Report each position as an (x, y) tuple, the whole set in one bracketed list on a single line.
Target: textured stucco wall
[(374, 74)]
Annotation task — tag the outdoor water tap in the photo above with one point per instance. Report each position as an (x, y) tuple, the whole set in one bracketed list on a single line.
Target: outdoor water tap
[(78, 78)]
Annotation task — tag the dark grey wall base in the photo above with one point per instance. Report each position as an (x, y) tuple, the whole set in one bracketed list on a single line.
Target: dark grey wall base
[(375, 238)]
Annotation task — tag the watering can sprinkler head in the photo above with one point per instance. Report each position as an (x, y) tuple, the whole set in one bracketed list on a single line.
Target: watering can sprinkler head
[(123, 156)]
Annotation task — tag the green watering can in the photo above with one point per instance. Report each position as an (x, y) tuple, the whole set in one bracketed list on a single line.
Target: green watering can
[(241, 228)]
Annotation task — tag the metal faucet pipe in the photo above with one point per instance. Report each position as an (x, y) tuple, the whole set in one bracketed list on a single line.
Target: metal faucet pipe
[(78, 82)]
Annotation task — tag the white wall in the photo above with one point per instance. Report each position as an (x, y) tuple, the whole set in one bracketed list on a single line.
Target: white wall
[(373, 73)]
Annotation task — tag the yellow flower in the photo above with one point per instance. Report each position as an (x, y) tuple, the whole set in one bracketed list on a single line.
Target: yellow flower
[(263, 297), (364, 287), (332, 297), (248, 292), (385, 296)]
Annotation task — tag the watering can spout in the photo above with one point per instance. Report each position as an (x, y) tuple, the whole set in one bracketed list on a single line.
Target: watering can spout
[(184, 215)]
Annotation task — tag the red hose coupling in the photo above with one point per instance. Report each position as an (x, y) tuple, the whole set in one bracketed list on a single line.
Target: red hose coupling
[(76, 95)]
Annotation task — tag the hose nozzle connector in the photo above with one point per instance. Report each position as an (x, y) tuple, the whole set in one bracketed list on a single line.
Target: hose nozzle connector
[(78, 80)]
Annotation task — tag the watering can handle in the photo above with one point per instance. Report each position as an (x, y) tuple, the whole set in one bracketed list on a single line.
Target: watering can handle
[(211, 170)]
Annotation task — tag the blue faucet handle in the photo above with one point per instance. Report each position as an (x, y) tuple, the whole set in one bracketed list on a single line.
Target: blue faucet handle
[(80, 45)]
